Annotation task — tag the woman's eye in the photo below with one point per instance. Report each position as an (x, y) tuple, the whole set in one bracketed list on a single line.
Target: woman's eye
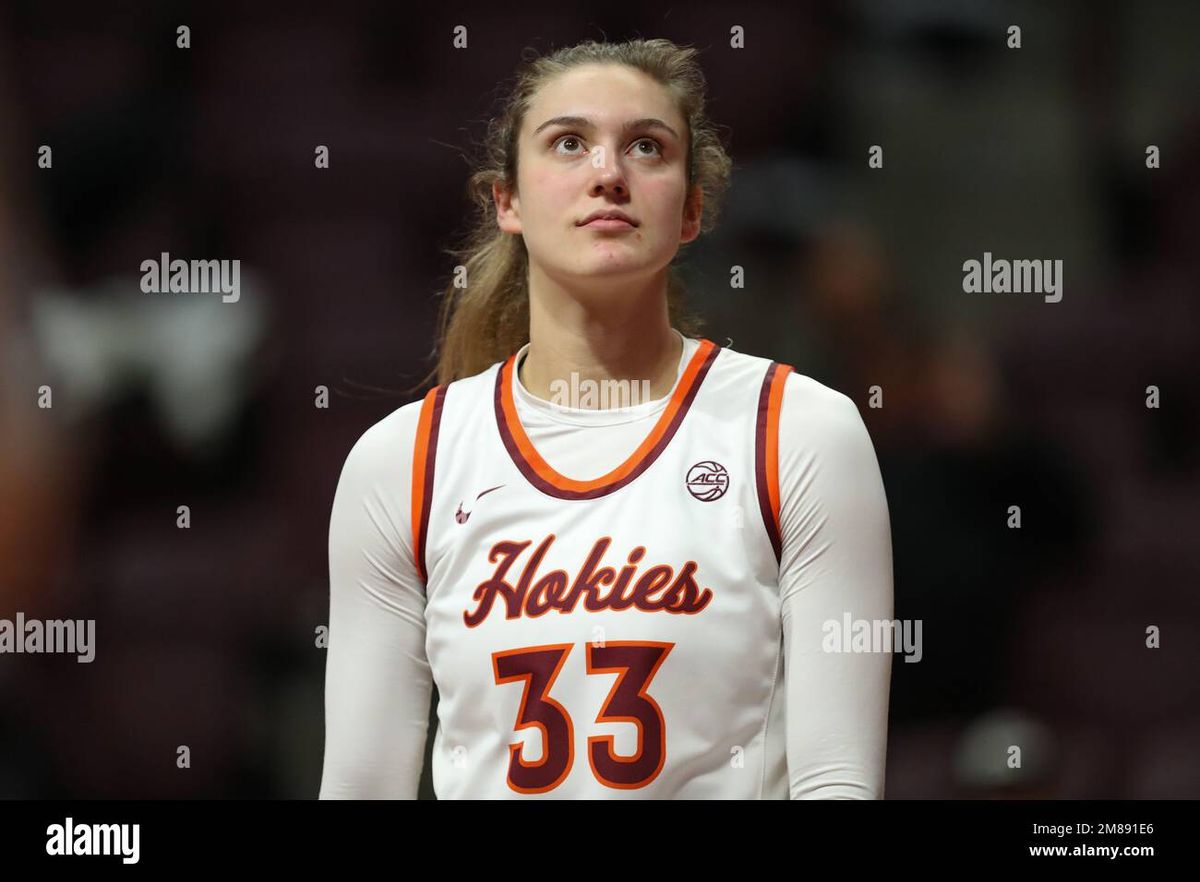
[(652, 143), (564, 139)]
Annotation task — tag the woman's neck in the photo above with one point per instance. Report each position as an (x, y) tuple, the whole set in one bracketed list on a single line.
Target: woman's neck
[(570, 344)]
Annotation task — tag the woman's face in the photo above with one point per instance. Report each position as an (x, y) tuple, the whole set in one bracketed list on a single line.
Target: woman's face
[(624, 147)]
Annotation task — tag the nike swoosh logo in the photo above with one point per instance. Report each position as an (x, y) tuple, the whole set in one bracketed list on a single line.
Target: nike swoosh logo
[(461, 516)]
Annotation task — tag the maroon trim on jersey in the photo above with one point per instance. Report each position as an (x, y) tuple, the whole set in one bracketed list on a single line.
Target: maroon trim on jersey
[(542, 476), (426, 456)]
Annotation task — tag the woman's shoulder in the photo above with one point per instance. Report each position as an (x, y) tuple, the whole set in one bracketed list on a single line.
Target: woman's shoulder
[(384, 450), (811, 413), (816, 398), (816, 420), (802, 395)]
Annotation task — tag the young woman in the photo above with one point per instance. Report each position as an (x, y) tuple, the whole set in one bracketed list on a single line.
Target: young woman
[(613, 602)]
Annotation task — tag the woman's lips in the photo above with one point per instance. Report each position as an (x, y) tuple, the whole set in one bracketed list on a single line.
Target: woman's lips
[(609, 223)]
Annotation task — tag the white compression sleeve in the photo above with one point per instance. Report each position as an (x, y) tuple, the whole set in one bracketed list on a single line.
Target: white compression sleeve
[(377, 678), (837, 559)]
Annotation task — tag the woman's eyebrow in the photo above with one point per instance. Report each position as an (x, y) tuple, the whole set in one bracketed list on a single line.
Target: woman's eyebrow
[(582, 122)]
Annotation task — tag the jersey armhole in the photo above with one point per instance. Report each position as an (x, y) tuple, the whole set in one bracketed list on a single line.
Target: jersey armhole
[(424, 460), (766, 451)]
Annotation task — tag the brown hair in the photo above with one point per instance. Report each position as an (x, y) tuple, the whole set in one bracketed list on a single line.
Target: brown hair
[(488, 320)]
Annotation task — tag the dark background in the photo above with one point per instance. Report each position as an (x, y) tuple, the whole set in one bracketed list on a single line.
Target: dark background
[(206, 637)]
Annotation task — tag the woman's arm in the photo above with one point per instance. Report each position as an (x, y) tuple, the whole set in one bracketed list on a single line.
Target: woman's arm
[(836, 560), (377, 678)]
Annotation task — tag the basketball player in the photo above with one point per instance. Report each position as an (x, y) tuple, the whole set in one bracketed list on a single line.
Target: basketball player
[(614, 602)]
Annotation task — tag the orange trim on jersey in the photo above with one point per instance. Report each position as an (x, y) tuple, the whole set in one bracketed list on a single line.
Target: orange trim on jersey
[(766, 447), (424, 456), (773, 407), (545, 478)]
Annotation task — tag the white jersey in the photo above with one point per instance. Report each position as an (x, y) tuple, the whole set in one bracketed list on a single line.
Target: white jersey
[(622, 633)]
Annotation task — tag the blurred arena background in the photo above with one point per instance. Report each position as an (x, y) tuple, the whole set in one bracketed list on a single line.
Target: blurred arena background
[(207, 636)]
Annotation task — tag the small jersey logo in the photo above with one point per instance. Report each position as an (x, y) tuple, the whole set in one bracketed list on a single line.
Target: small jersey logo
[(461, 516), (707, 480)]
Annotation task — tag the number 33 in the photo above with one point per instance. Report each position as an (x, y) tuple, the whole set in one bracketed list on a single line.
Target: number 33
[(635, 662)]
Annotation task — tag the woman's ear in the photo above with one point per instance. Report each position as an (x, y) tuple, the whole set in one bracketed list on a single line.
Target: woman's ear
[(508, 208)]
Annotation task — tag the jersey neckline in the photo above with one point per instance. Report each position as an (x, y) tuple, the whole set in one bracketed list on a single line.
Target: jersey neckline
[(541, 411), (544, 477)]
